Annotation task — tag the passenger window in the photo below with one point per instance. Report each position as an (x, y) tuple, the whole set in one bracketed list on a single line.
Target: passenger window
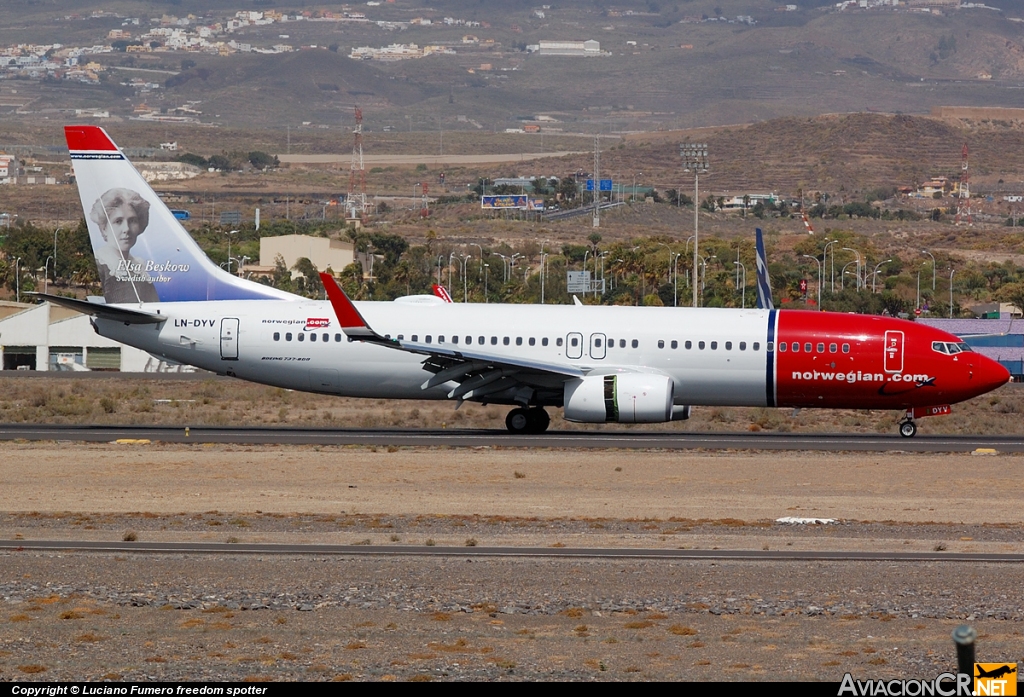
[(428, 338), (544, 341), (558, 341), (597, 343), (700, 345), (415, 337), (675, 344), (302, 337), (533, 342), (505, 341), (661, 343), (277, 336), (494, 341), (743, 346), (688, 345), (312, 337), (832, 348), (327, 337), (796, 347), (846, 348), (622, 343), (519, 341), (455, 339), (807, 348), (821, 348), (401, 337), (714, 345), (481, 340), (440, 339), (574, 342), (288, 336), (636, 344), (782, 347), (469, 340), (728, 346)]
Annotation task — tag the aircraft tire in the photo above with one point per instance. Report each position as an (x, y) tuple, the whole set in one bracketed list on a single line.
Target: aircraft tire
[(518, 421), (908, 429), (539, 420)]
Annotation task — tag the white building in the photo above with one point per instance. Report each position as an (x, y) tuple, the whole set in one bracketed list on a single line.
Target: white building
[(570, 48), (49, 337)]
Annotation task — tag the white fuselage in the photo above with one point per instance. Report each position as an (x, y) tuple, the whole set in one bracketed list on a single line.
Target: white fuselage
[(259, 340)]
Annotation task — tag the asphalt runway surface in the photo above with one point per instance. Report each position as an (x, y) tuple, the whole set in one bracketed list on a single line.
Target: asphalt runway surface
[(562, 553), (605, 439)]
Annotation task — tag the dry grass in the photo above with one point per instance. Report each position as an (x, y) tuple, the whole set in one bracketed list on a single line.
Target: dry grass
[(209, 402)]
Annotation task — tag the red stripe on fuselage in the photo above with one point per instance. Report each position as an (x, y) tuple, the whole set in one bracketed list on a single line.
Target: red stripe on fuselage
[(91, 138), (890, 364)]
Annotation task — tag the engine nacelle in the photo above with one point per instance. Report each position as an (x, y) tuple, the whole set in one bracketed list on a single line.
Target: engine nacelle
[(626, 398)]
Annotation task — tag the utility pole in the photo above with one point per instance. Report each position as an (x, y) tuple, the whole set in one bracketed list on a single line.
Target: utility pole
[(597, 181), (695, 159)]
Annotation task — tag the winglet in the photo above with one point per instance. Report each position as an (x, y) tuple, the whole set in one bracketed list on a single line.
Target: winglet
[(764, 286), (352, 323), (442, 292)]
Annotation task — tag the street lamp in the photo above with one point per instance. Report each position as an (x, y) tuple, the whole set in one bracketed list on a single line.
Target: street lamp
[(874, 274), (17, 278), (951, 272), (675, 281), (487, 268), (743, 295), (46, 268), (695, 159), (933, 266), (704, 276), (833, 274), (847, 249), (230, 233), (465, 292), (54, 258), (543, 273), (842, 280), (821, 265)]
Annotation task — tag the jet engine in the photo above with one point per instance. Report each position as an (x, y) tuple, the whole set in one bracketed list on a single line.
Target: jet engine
[(626, 398)]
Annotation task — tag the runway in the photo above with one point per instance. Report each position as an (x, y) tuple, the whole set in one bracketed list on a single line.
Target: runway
[(553, 552), (604, 439)]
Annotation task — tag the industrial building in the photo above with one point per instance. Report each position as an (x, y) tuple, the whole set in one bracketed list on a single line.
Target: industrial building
[(49, 337)]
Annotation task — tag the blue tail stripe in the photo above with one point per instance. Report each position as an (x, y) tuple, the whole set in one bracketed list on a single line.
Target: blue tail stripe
[(769, 371)]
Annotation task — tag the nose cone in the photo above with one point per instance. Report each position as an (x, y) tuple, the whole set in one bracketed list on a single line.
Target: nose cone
[(988, 375)]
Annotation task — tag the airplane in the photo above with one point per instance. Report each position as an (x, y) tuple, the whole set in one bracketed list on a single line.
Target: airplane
[(600, 364)]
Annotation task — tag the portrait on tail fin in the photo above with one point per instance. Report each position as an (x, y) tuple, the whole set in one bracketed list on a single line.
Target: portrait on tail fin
[(122, 215)]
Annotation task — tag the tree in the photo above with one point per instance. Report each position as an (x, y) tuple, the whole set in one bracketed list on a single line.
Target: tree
[(262, 160)]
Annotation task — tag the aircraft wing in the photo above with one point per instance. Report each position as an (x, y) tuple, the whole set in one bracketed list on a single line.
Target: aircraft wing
[(103, 311), (478, 373)]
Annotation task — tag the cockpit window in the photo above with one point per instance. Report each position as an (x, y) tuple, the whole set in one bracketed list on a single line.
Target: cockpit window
[(950, 347)]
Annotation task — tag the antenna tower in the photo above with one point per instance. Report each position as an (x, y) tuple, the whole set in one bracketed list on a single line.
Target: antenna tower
[(356, 200), (963, 202)]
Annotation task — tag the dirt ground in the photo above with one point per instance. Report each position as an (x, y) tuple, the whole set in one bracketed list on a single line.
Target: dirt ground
[(84, 616)]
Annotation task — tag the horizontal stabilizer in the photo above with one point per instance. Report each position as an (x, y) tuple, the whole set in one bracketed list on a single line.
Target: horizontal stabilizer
[(111, 312)]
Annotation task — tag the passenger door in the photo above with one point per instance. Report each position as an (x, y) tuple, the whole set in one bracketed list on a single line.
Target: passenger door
[(229, 339), (597, 346)]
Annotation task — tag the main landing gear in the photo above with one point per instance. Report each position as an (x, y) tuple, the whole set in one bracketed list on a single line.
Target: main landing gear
[(527, 421)]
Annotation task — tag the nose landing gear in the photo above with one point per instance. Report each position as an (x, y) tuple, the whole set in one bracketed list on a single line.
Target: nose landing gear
[(527, 421), (908, 428)]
